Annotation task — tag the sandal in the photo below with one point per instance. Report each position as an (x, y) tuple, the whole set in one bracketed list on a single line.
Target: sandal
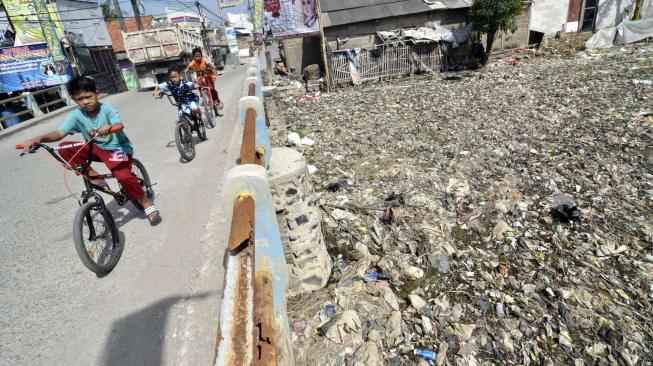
[(153, 216)]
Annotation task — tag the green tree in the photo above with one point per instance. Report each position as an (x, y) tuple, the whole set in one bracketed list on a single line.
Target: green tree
[(491, 16), (107, 11)]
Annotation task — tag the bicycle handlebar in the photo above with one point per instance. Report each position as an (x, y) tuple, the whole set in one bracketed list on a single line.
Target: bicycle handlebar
[(205, 69), (113, 129), (116, 128), (170, 98)]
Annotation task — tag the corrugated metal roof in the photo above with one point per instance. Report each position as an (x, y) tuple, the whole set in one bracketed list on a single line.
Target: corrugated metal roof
[(335, 5), (340, 12)]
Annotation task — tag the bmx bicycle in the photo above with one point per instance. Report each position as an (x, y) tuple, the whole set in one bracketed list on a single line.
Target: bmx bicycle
[(186, 124), (210, 105), (95, 234)]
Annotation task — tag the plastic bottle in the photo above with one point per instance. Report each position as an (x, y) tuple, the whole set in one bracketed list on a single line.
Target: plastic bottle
[(330, 310), (371, 277), (426, 354)]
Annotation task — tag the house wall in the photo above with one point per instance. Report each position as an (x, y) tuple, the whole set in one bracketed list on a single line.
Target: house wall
[(301, 52), (549, 16), (363, 35), (519, 38), (573, 15)]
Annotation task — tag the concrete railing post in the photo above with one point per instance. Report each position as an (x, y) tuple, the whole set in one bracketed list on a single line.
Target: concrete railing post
[(63, 92), (31, 103), (298, 217), (252, 180)]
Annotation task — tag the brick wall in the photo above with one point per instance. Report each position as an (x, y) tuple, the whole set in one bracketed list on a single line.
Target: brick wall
[(301, 52)]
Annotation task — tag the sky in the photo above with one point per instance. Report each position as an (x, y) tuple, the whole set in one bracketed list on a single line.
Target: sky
[(215, 16)]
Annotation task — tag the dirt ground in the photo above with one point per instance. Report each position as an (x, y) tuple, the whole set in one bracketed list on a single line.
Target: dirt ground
[(516, 201)]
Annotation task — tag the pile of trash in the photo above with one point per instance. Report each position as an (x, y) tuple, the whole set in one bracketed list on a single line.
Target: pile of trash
[(501, 216)]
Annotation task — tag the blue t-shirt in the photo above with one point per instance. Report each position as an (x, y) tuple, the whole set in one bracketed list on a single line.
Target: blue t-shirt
[(182, 92), (79, 121)]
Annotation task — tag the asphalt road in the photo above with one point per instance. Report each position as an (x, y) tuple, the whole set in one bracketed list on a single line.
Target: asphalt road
[(160, 305)]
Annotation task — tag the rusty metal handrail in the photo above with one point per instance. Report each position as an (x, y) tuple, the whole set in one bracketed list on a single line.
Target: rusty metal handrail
[(12, 99), (32, 106), (17, 114), (46, 90), (251, 328), (249, 152)]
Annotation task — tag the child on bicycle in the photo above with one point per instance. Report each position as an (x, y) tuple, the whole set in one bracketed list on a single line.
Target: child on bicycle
[(182, 91), (93, 120), (203, 67)]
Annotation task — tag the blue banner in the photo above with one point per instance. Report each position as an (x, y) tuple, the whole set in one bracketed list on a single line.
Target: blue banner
[(31, 66)]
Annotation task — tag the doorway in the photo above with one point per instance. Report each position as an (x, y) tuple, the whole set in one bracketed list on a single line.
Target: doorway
[(588, 17)]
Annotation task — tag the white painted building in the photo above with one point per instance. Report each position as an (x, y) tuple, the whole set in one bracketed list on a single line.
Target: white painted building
[(552, 16)]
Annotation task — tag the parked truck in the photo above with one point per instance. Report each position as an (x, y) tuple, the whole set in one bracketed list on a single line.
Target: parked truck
[(153, 51)]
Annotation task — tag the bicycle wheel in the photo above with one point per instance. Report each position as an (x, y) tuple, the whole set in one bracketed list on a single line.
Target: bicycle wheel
[(208, 111), (96, 238), (201, 130), (138, 169), (184, 140)]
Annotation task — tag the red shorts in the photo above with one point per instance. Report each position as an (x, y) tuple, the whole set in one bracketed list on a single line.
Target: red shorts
[(118, 162)]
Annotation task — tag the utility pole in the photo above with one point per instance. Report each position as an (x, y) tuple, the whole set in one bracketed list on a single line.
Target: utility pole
[(137, 15), (121, 20), (11, 25), (203, 32), (323, 41)]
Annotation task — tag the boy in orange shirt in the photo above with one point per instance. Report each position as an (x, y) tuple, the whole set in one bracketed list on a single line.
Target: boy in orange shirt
[(203, 67)]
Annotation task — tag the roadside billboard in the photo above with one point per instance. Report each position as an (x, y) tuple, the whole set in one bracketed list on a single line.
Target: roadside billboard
[(51, 33), (258, 16), (283, 18), (28, 16), (230, 35), (229, 3), (31, 66)]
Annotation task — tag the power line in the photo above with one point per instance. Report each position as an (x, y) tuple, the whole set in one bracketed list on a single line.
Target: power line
[(78, 19), (214, 14), (99, 6), (58, 11), (26, 19), (192, 10)]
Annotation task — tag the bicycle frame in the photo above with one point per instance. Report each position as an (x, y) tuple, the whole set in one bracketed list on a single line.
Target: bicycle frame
[(202, 81), (91, 189), (190, 116)]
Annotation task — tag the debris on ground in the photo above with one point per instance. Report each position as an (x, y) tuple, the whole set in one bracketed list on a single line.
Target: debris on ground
[(501, 217)]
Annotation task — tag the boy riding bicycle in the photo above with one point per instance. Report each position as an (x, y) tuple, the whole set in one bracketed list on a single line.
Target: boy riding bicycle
[(94, 121), (203, 67), (182, 91)]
